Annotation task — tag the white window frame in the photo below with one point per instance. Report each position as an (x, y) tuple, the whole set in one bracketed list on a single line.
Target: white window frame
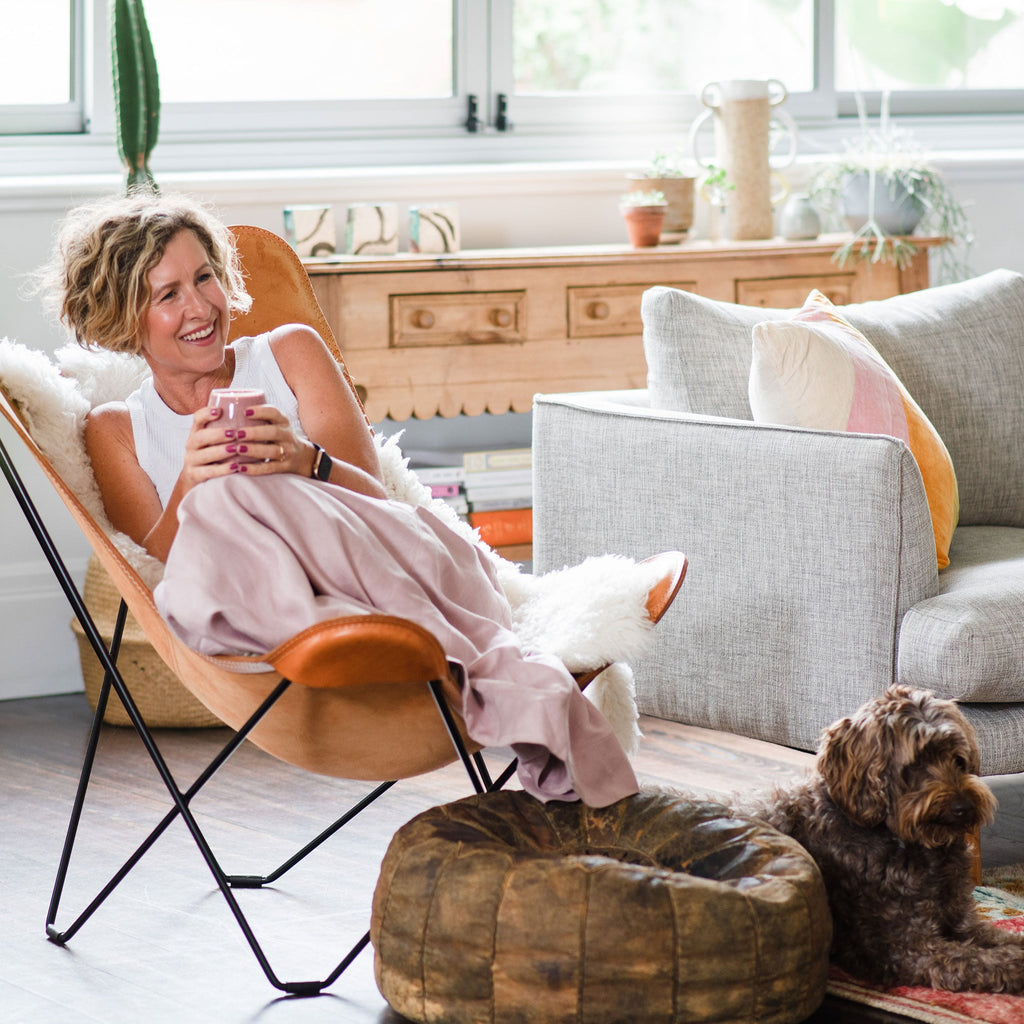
[(244, 136), (57, 118)]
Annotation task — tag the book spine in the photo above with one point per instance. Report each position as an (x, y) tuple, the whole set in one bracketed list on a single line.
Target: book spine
[(510, 526), (430, 475), (497, 477), (500, 503), (484, 493), (497, 459), (444, 490)]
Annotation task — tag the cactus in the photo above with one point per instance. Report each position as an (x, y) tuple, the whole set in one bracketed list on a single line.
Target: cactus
[(136, 91)]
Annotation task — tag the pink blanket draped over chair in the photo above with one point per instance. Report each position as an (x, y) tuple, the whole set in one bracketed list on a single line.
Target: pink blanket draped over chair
[(257, 560)]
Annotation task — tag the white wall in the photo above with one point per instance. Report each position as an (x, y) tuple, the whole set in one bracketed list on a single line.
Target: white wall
[(499, 206)]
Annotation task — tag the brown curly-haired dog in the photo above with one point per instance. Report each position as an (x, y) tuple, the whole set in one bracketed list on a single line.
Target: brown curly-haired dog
[(886, 817)]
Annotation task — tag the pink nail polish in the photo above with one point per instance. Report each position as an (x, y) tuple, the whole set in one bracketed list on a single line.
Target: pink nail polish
[(243, 448), (240, 433), (250, 412), (229, 433), (233, 467), (231, 449), (215, 412)]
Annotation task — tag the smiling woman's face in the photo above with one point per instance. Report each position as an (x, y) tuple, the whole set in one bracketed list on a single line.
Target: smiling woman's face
[(184, 328)]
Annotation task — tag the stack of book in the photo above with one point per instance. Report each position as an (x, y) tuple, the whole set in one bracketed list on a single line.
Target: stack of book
[(499, 491), (491, 488), (446, 483)]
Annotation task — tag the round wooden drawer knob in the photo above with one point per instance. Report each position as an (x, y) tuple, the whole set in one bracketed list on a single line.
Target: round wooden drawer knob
[(501, 317), (423, 318), (598, 311)]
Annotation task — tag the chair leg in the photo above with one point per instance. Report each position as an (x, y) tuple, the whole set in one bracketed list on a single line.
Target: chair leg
[(113, 681), (181, 807), (83, 781), (476, 769), (258, 881)]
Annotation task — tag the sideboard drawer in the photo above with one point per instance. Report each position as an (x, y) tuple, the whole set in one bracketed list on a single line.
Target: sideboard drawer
[(790, 292), (609, 311), (464, 318)]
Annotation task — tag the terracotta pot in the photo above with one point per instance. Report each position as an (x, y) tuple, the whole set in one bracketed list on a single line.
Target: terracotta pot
[(643, 223), (679, 193)]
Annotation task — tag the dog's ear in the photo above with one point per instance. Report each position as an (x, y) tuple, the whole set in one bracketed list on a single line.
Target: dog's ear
[(852, 763)]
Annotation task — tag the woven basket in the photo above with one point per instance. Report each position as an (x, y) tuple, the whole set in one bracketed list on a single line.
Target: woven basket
[(162, 698)]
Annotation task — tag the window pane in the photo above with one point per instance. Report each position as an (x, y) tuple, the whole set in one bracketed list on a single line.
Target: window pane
[(226, 50), (35, 52), (649, 46), (929, 44)]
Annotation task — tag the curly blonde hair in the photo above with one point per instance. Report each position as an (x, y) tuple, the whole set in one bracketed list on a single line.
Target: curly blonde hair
[(97, 279)]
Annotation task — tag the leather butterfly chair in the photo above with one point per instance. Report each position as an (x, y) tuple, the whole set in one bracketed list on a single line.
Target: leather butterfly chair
[(367, 697)]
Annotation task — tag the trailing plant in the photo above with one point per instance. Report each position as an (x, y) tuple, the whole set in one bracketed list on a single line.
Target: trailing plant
[(892, 161), (136, 91)]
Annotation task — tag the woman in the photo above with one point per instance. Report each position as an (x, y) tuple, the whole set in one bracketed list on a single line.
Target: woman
[(265, 548)]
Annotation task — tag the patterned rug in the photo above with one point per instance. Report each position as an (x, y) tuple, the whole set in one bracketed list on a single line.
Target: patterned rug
[(1001, 899)]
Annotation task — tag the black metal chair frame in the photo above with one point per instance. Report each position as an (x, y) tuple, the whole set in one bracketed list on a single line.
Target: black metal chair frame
[(474, 765)]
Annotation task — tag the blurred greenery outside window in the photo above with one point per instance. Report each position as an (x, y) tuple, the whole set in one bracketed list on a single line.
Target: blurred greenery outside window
[(408, 66)]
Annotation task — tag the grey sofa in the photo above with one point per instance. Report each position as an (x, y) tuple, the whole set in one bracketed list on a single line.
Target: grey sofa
[(812, 582)]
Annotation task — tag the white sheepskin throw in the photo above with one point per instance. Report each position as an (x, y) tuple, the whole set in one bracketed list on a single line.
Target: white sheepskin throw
[(588, 615), (54, 408)]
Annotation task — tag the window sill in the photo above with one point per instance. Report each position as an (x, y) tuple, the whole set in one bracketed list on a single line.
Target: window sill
[(964, 140)]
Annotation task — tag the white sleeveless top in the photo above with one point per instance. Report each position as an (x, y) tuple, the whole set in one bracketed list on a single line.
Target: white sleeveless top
[(160, 433)]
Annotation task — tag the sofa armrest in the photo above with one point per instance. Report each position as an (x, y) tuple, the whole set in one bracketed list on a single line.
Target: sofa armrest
[(805, 548)]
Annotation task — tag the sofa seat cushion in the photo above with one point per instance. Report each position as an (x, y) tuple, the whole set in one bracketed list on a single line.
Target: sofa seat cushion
[(967, 642)]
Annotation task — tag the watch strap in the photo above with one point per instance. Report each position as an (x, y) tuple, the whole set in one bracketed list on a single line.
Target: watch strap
[(322, 463)]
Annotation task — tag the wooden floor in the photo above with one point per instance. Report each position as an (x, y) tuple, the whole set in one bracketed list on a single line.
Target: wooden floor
[(164, 947)]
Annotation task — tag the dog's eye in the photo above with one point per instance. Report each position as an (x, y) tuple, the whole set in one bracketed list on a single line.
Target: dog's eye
[(960, 763)]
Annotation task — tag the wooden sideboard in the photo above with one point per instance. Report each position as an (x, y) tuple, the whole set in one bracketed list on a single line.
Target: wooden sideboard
[(484, 330)]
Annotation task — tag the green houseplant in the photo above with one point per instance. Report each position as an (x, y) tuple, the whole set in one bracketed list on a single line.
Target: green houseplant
[(136, 91), (883, 188), (644, 213)]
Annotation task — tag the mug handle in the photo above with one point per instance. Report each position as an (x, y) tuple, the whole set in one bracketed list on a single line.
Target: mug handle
[(780, 117)]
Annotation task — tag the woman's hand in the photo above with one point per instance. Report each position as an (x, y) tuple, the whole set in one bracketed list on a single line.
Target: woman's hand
[(265, 444)]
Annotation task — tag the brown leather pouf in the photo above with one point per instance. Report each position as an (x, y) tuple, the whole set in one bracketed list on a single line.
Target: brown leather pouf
[(658, 908)]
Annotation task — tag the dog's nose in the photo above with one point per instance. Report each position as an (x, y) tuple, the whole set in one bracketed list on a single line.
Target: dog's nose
[(960, 809)]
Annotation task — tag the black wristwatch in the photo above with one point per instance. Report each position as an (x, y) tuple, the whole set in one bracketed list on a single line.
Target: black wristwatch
[(322, 464)]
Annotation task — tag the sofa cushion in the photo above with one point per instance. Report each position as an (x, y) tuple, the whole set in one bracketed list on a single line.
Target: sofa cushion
[(815, 370), (958, 348), (965, 642)]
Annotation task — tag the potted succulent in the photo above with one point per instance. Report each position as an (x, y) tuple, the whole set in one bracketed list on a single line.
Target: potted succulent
[(665, 175), (884, 188), (644, 214)]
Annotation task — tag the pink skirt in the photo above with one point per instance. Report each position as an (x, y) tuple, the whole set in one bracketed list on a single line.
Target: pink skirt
[(258, 559)]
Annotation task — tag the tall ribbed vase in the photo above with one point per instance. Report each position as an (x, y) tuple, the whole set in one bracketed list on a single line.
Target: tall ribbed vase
[(743, 117)]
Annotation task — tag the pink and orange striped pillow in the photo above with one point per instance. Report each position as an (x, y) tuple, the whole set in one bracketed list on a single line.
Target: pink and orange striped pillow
[(818, 371)]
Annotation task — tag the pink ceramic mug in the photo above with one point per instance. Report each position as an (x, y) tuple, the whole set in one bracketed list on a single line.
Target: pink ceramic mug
[(233, 402)]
